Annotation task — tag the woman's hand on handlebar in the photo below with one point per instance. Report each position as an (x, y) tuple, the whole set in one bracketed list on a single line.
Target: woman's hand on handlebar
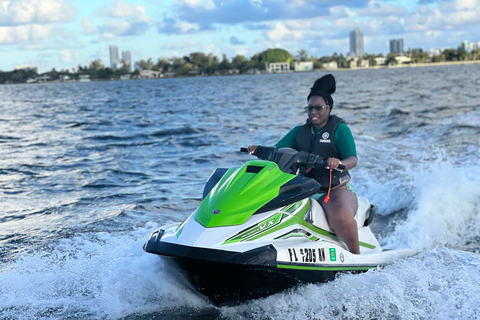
[(333, 163), (251, 149)]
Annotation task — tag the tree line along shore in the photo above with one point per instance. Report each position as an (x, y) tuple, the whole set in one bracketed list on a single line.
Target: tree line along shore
[(201, 64)]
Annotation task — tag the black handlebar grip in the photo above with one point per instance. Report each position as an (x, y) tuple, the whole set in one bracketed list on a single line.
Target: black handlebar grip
[(244, 150)]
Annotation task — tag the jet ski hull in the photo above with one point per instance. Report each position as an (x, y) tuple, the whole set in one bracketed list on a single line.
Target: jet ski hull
[(227, 284), (229, 278)]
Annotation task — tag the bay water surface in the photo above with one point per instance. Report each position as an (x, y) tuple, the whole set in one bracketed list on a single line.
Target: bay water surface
[(89, 170)]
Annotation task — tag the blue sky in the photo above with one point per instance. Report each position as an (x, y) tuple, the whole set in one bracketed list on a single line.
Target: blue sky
[(67, 33)]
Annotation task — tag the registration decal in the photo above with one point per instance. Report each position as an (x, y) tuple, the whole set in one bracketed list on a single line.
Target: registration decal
[(306, 255), (333, 254)]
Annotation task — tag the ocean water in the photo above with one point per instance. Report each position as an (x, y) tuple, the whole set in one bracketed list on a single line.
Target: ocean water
[(89, 170)]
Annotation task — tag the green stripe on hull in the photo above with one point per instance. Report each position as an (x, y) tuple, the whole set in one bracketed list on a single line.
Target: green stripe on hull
[(284, 266), (294, 235), (366, 245), (293, 207)]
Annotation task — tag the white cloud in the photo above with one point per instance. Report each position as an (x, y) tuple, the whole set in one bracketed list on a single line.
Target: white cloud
[(179, 48), (454, 15), (177, 26), (124, 20), (184, 26), (116, 27), (179, 45), (23, 33), (121, 9), (22, 12), (256, 3), (40, 31), (335, 45), (462, 17), (344, 24), (68, 56), (299, 2), (338, 12), (301, 24), (187, 46), (108, 36), (465, 4), (280, 32), (241, 52), (211, 48), (88, 27), (381, 10), (208, 4)]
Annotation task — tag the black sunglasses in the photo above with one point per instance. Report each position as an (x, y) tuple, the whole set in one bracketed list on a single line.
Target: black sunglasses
[(309, 108)]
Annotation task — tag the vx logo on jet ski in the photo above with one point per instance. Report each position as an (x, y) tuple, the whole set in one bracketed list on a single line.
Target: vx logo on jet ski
[(269, 223)]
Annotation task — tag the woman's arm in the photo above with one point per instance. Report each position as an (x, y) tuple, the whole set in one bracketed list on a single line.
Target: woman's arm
[(349, 162)]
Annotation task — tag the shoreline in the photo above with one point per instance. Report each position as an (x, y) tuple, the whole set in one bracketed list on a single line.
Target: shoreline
[(410, 65), (398, 66)]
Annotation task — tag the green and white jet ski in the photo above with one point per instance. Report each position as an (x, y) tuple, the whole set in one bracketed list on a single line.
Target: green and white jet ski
[(257, 232)]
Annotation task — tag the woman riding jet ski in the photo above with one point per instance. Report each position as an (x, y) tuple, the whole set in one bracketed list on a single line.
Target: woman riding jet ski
[(257, 232), (328, 136)]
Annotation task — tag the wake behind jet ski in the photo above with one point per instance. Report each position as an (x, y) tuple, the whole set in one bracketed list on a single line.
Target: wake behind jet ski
[(257, 232)]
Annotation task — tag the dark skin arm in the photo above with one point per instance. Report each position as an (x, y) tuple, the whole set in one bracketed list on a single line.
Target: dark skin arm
[(349, 162)]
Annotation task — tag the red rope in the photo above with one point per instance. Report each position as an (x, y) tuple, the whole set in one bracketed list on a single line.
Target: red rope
[(329, 188)]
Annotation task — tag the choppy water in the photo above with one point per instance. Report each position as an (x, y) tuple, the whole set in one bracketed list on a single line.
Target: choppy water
[(88, 170)]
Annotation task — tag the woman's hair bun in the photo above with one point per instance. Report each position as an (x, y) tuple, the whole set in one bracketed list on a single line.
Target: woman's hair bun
[(325, 84), (324, 87)]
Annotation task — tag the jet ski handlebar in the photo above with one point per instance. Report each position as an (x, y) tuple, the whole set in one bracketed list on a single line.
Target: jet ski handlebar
[(290, 160)]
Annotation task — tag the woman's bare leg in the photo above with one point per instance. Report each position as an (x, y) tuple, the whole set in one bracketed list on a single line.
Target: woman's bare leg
[(340, 211)]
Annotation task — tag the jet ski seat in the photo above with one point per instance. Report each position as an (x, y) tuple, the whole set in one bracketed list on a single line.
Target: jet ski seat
[(317, 216)]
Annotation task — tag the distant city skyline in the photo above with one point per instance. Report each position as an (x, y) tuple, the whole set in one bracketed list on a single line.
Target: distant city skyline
[(356, 42), (396, 46), (67, 33), (114, 58), (115, 61), (127, 58)]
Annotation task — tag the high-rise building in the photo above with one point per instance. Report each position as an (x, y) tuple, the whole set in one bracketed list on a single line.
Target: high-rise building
[(468, 46), (114, 60), (356, 42), (396, 46), (127, 59)]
